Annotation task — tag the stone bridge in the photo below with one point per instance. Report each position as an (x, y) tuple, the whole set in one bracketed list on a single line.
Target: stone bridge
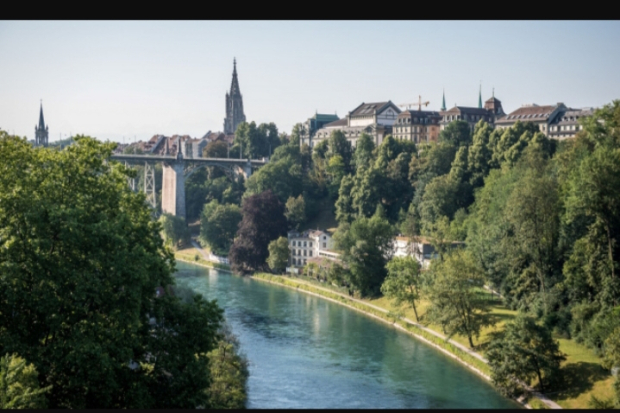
[(175, 170)]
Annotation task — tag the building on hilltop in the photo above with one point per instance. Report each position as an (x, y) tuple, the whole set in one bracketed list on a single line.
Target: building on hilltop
[(417, 126), (555, 121), (41, 132), (541, 116), (234, 105), (566, 124), (375, 119), (313, 124), (490, 112)]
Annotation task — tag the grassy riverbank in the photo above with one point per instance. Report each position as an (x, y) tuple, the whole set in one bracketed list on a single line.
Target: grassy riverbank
[(192, 255), (583, 371)]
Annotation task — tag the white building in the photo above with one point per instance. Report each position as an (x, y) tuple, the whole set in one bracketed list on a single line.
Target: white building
[(420, 248), (308, 244), (375, 119)]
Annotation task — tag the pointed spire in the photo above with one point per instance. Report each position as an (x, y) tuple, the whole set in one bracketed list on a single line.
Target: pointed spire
[(480, 97), (493, 94), (443, 102), (41, 122), (234, 86)]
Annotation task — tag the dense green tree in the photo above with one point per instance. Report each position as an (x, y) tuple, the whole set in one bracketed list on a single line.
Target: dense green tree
[(215, 149), (262, 222), (594, 191), (366, 246), (218, 226), (283, 177), (479, 154), (439, 200), (80, 260), (345, 213), (255, 141), (294, 139), (363, 156), (524, 352), (295, 212), (19, 385), (229, 372), (456, 133), (457, 303), (336, 169), (339, 145), (402, 283), (278, 254), (174, 230), (320, 149)]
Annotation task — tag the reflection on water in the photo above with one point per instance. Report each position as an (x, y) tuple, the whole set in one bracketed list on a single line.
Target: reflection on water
[(306, 352)]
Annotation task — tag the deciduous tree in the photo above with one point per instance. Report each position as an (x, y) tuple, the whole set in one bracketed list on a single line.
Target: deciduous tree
[(524, 352), (457, 304), (403, 281), (262, 222)]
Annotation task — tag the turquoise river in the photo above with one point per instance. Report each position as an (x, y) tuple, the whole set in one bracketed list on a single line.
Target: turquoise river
[(307, 352)]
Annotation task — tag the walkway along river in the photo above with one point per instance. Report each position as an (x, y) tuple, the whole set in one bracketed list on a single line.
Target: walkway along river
[(306, 352)]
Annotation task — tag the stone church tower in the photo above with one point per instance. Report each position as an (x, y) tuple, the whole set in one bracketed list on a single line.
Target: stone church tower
[(234, 105), (41, 132)]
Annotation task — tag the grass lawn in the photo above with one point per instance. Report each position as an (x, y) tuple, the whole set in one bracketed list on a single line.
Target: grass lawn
[(584, 375)]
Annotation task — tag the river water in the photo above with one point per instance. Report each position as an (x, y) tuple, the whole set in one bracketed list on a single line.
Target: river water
[(307, 352)]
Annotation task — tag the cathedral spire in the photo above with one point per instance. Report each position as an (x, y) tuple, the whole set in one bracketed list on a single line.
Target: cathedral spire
[(234, 104), (443, 102), (41, 122), (234, 86), (41, 131), (480, 97)]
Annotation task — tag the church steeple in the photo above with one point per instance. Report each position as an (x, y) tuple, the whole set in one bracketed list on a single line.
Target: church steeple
[(41, 132), (234, 104), (234, 86), (41, 121), (443, 102), (480, 98)]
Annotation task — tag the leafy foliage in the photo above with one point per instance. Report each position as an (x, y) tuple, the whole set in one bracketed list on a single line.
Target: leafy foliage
[(262, 222), (278, 254), (19, 385), (218, 225), (526, 351), (457, 304), (80, 260), (366, 246), (174, 229), (229, 372), (402, 283)]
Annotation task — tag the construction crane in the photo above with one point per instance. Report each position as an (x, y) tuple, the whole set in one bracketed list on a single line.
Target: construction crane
[(419, 103)]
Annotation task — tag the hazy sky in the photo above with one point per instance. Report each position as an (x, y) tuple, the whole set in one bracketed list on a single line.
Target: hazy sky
[(115, 79)]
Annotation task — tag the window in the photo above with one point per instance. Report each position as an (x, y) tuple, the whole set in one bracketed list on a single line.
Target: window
[(304, 253), (304, 243), (310, 244), (324, 245), (310, 253), (293, 243)]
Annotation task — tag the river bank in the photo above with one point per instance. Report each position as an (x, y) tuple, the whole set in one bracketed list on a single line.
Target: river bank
[(583, 368), (465, 356)]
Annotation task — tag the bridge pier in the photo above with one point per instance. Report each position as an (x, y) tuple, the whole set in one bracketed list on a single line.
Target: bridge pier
[(173, 189)]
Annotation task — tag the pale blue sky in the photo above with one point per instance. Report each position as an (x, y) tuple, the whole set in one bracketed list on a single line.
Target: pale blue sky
[(111, 79)]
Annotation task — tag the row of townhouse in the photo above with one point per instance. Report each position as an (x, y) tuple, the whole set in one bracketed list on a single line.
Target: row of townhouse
[(379, 119)]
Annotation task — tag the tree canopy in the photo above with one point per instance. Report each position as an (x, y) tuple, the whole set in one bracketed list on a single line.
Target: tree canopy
[(80, 261)]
